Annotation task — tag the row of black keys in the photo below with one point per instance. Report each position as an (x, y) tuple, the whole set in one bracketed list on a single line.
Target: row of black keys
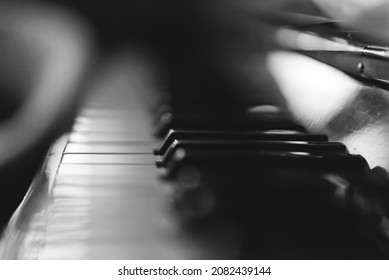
[(289, 194), (282, 142)]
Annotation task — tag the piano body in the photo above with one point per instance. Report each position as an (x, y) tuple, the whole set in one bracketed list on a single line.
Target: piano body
[(309, 183)]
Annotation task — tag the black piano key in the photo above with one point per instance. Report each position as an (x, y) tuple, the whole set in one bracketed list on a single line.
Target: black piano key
[(219, 159), (263, 135), (320, 148)]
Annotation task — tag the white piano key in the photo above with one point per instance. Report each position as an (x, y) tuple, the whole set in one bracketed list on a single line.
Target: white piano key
[(108, 159), (69, 206), (114, 137), (101, 148), (105, 191), (59, 225), (76, 217), (104, 170), (108, 180), (70, 191), (111, 125)]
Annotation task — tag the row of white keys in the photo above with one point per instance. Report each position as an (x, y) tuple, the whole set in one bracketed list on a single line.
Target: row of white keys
[(107, 200), (104, 200)]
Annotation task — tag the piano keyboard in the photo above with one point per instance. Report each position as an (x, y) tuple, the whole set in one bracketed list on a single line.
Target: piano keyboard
[(218, 193), (99, 195)]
